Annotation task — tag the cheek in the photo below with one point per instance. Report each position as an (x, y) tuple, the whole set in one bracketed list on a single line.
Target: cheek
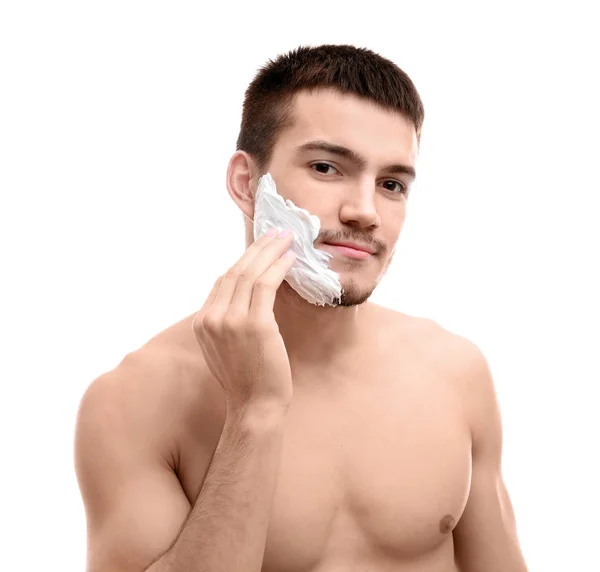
[(294, 182), (305, 191), (393, 220)]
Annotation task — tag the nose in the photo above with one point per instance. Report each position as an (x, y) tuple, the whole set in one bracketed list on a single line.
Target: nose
[(358, 207)]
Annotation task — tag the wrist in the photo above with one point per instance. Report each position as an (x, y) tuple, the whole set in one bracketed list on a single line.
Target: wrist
[(258, 414)]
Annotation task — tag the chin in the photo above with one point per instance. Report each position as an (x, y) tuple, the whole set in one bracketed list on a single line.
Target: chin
[(353, 295)]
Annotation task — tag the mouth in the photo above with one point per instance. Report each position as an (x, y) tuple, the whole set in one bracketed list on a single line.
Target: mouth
[(354, 251), (353, 246)]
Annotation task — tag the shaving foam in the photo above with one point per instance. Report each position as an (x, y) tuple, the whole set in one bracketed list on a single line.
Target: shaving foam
[(310, 276)]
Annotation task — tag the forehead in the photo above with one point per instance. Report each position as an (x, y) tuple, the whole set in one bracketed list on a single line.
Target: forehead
[(377, 134)]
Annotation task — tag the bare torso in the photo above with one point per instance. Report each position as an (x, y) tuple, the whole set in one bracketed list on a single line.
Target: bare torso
[(376, 457)]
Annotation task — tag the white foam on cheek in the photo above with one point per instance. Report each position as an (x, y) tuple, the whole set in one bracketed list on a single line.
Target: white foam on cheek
[(310, 275)]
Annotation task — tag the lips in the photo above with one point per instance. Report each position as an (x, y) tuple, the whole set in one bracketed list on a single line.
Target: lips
[(354, 245)]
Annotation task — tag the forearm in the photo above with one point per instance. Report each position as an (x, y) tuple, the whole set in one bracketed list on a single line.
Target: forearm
[(227, 527)]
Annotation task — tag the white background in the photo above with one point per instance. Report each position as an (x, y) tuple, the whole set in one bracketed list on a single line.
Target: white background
[(117, 120)]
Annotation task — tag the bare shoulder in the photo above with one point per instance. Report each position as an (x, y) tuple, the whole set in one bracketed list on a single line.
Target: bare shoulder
[(449, 350), (451, 355), (465, 356), (424, 338), (127, 455), (463, 363), (151, 391)]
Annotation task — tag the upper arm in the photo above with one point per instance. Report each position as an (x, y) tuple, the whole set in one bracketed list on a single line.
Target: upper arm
[(133, 500), (485, 537)]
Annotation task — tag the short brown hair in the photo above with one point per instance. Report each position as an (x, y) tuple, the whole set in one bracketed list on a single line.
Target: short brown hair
[(359, 71)]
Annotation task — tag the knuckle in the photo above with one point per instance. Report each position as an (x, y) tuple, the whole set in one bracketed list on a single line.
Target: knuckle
[(197, 325), (243, 276), (211, 323), (265, 282)]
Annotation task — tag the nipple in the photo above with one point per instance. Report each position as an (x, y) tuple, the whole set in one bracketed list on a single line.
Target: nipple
[(447, 524)]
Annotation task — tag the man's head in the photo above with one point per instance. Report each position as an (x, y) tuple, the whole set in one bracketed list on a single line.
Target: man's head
[(338, 127)]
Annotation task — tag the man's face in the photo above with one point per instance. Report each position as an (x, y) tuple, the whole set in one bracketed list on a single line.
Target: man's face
[(362, 201)]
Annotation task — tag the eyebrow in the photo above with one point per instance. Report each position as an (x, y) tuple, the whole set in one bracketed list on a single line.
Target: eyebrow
[(353, 156)]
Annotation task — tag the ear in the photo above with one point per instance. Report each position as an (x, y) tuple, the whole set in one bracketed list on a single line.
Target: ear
[(242, 181)]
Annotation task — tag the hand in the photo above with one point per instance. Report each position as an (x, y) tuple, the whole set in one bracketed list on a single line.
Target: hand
[(237, 330)]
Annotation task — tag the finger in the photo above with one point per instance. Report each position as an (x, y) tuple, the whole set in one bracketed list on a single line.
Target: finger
[(266, 286), (208, 302), (242, 297), (230, 278)]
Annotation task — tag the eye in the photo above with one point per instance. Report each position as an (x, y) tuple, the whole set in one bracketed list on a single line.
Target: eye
[(322, 168), (403, 189)]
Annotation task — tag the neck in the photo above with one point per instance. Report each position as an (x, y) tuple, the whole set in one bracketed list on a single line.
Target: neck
[(316, 334)]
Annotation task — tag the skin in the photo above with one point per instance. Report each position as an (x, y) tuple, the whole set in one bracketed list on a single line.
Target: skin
[(391, 455)]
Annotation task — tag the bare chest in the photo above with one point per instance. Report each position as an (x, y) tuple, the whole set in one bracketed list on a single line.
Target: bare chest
[(373, 470), (381, 468)]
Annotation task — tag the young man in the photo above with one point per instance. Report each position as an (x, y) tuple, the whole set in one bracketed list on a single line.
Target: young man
[(268, 433)]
